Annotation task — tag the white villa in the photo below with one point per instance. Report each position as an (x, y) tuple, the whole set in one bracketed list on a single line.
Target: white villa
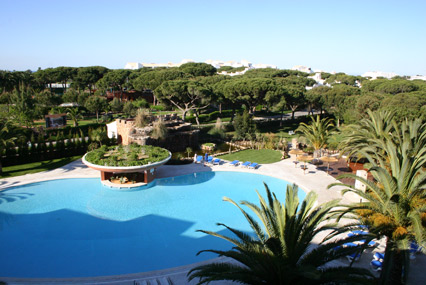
[(216, 63)]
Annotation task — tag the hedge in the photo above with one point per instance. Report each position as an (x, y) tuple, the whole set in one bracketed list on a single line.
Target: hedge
[(205, 118), (42, 151)]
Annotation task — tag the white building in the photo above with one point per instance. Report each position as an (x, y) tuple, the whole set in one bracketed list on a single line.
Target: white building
[(216, 63), (302, 69), (133, 65), (375, 74)]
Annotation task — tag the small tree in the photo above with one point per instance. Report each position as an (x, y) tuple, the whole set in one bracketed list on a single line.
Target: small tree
[(316, 133), (98, 135), (96, 104), (116, 105), (129, 109), (244, 126), (75, 115), (188, 150)]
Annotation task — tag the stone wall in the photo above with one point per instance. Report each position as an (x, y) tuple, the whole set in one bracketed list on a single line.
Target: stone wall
[(124, 127), (180, 136)]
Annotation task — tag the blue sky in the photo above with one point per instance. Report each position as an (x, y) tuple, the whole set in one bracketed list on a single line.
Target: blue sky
[(342, 36)]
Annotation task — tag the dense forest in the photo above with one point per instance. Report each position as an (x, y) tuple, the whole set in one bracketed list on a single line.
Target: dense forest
[(197, 87)]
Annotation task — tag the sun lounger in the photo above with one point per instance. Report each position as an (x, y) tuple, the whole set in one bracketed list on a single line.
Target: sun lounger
[(216, 161), (349, 244), (379, 256), (246, 164), (353, 257), (234, 163), (414, 248), (377, 265), (254, 165), (199, 159), (209, 159), (370, 243)]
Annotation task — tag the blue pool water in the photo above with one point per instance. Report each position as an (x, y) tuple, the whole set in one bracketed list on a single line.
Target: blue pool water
[(79, 228)]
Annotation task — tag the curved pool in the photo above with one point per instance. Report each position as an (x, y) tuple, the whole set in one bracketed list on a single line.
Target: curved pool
[(79, 228)]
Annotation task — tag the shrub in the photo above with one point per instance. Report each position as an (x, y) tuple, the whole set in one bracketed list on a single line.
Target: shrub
[(142, 118)]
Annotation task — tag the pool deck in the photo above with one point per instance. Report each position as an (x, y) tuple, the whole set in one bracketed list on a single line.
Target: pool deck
[(312, 180)]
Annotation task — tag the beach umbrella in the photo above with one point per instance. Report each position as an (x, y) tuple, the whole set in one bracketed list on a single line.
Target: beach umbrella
[(296, 152), (305, 158), (328, 159)]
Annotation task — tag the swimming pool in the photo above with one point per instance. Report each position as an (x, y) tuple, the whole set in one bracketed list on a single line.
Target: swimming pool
[(79, 228)]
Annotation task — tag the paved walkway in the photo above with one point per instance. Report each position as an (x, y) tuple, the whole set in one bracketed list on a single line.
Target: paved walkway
[(312, 180)]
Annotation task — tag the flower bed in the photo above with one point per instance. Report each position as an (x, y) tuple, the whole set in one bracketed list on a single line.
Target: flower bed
[(128, 155)]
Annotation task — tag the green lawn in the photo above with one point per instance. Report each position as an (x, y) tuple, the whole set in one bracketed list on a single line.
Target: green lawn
[(261, 156), (34, 167), (280, 131)]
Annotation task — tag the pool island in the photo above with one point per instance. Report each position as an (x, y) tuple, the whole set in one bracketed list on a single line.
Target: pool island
[(127, 166)]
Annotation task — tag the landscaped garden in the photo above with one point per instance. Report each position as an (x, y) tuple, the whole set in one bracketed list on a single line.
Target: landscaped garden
[(128, 155), (387, 138)]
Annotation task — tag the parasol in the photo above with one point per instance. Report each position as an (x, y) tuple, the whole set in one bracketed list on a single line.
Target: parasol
[(328, 159), (305, 158)]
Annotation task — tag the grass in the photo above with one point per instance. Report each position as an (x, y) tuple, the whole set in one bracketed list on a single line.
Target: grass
[(280, 131), (260, 156), (34, 167)]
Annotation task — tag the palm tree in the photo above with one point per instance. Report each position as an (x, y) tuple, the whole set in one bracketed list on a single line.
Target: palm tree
[(394, 203), (316, 133), (5, 139), (368, 135), (75, 115), (281, 252)]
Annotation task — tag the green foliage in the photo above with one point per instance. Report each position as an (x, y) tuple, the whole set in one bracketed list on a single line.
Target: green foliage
[(218, 130), (86, 77), (140, 103), (396, 86), (158, 108), (206, 118), (153, 79), (317, 133), (393, 203), (96, 104), (129, 109), (280, 251), (130, 155), (185, 94), (70, 96), (35, 167), (342, 78), (116, 105), (74, 114), (99, 135), (244, 126), (22, 106), (230, 69), (198, 69), (405, 105)]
